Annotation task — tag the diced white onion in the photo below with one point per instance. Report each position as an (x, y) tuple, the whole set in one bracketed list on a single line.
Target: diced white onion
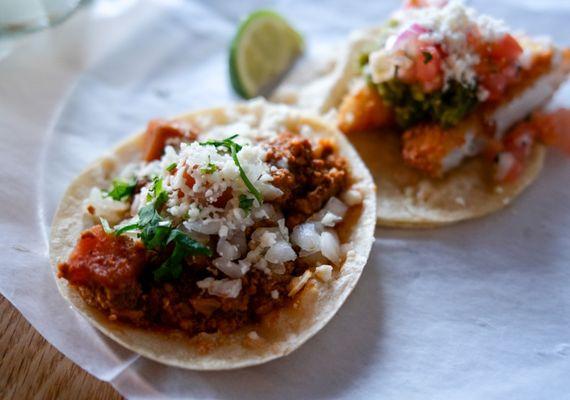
[(238, 239), (269, 192), (268, 239), (330, 219), (335, 206), (330, 246), (208, 227), (229, 288), (262, 266), (280, 252), (230, 268), (306, 237), (227, 250)]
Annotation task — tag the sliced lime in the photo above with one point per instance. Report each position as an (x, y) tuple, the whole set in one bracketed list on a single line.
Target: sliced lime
[(263, 48)]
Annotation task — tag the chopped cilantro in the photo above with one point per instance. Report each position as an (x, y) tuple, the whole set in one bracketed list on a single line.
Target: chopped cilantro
[(153, 230), (209, 168), (427, 56), (126, 228), (156, 234), (245, 203), (171, 167), (234, 148), (253, 190), (227, 143), (121, 189), (183, 247), (158, 193)]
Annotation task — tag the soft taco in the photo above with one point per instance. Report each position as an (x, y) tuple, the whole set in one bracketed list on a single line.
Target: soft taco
[(443, 105), (218, 239)]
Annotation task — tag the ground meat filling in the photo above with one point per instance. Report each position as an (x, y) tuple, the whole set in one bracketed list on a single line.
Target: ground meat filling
[(114, 273), (307, 176)]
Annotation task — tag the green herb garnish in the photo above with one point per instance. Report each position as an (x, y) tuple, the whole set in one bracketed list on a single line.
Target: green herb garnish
[(126, 228), (245, 203), (209, 168), (157, 234), (233, 149), (158, 193), (121, 189), (183, 247), (171, 167)]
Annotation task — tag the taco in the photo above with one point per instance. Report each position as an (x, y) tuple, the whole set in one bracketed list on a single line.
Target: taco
[(219, 239), (443, 105)]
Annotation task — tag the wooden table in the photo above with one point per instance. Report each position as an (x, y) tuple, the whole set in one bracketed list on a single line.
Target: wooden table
[(32, 368)]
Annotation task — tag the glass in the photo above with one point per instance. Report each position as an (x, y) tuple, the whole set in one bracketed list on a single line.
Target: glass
[(29, 15)]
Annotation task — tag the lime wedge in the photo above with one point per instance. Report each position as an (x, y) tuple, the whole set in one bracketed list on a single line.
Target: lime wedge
[(263, 48)]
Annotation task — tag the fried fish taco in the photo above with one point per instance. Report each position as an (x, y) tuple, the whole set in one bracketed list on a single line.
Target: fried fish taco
[(443, 105), (219, 239)]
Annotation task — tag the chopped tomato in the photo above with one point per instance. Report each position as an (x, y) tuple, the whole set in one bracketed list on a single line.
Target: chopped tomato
[(428, 70), (105, 259), (553, 128), (550, 128), (492, 148), (495, 84), (498, 66), (158, 133), (475, 41), (506, 50), (516, 147), (520, 139), (188, 179), (223, 199)]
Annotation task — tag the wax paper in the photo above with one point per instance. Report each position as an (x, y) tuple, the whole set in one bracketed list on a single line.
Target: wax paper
[(479, 310)]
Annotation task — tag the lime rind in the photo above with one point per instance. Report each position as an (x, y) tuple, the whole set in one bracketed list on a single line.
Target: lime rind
[(245, 85)]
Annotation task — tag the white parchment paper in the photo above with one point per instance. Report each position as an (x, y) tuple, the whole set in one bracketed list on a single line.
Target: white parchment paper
[(480, 310)]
